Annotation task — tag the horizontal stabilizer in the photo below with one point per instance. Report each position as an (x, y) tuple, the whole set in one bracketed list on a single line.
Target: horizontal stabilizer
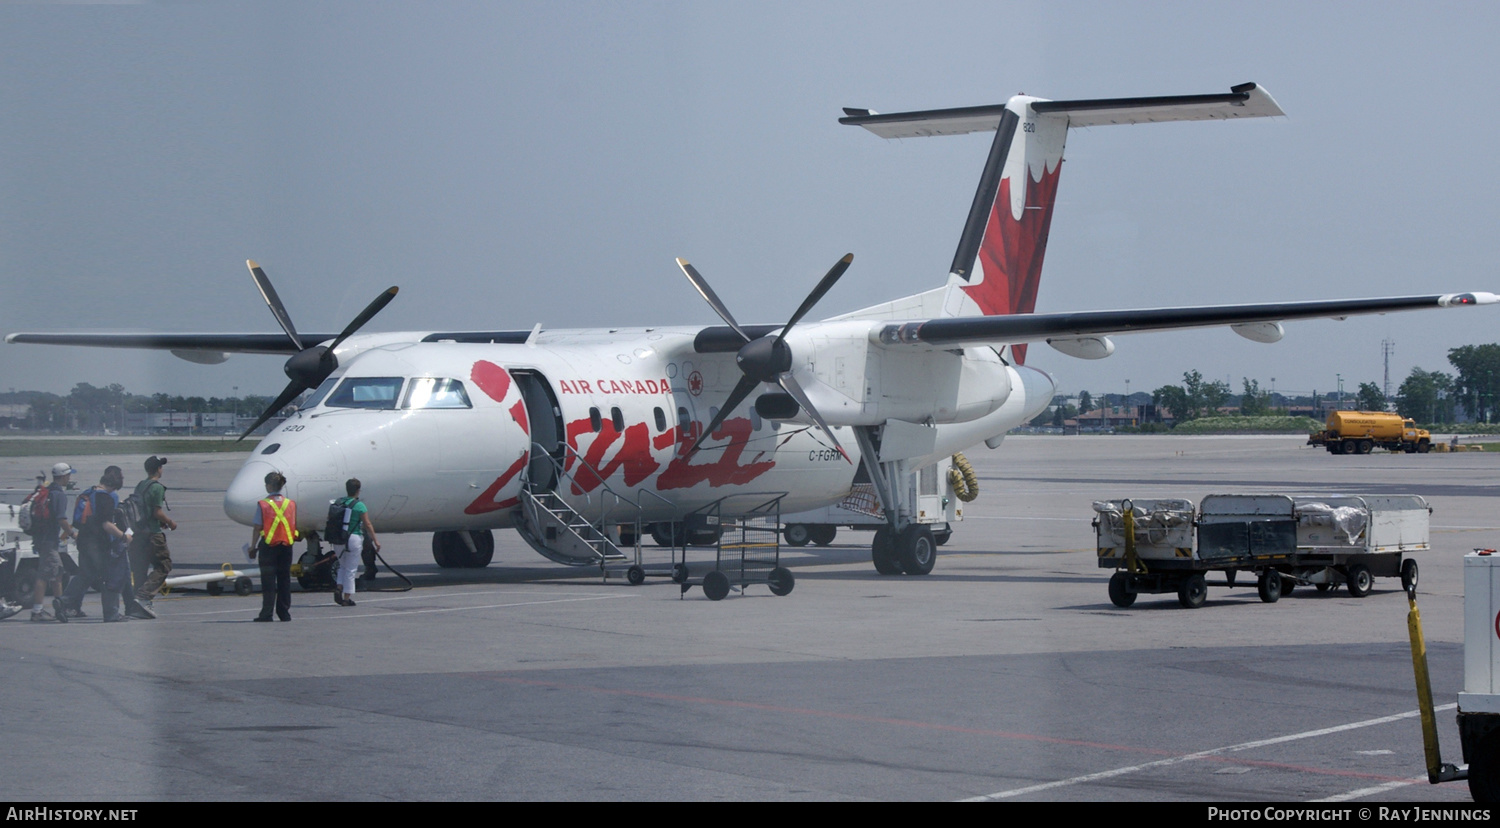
[(1246, 100)]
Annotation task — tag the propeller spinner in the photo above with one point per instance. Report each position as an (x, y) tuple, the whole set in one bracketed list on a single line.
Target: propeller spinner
[(767, 359), (309, 366)]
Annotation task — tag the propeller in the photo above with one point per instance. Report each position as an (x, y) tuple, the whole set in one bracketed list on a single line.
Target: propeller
[(767, 359), (309, 366)]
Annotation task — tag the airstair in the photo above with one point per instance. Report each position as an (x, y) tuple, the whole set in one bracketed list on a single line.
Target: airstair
[(582, 536)]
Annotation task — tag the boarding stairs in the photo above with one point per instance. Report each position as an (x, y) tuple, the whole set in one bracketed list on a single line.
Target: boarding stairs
[(604, 530)]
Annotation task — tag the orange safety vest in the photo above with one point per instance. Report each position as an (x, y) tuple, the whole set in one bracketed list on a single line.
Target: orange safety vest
[(278, 521)]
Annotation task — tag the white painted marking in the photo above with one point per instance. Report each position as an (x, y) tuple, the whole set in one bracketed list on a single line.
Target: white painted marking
[(1378, 789), (1161, 763), (375, 602)]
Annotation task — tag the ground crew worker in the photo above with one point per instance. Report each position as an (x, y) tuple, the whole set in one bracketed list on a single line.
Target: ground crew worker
[(275, 532)]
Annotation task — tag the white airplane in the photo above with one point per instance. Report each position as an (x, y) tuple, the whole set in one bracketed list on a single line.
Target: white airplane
[(462, 432)]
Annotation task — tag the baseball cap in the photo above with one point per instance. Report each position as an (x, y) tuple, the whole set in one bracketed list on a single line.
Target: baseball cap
[(153, 463), (60, 469)]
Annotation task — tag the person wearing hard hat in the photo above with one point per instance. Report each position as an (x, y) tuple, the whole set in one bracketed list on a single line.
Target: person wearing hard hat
[(49, 525)]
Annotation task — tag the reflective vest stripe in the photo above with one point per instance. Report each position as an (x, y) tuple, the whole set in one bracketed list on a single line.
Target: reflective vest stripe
[(280, 531)]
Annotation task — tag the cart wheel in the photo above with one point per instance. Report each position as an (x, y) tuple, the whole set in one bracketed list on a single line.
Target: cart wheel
[(1269, 586), (883, 552), (214, 587), (796, 534), (243, 585), (679, 572), (716, 585), (1119, 590), (1409, 575), (781, 581), (635, 575), (1359, 580), (1229, 575), (1192, 592)]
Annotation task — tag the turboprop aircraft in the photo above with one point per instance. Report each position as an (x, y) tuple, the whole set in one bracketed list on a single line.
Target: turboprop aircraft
[(565, 435)]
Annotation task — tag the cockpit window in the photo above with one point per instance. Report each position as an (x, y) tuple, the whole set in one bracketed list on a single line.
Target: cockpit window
[(366, 392), (430, 392), (317, 395)]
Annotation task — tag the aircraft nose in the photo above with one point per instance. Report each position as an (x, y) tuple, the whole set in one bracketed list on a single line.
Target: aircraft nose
[(247, 488)]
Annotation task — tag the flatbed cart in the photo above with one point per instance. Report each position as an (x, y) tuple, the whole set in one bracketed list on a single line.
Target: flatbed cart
[(1325, 541), (748, 549)]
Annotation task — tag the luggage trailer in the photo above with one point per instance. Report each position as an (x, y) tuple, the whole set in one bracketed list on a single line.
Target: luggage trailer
[(1283, 540)]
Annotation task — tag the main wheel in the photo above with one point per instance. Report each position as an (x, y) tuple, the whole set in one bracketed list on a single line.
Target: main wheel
[(668, 534), (781, 581), (310, 576), (716, 585), (1359, 581), (823, 534), (1119, 590), (1269, 586), (883, 552), (706, 537), (796, 534), (916, 550), (1409, 574), (1193, 591)]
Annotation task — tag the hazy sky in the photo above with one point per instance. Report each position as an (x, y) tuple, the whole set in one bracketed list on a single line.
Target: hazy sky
[(514, 163)]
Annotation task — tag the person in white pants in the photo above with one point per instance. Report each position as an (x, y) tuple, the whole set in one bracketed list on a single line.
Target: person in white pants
[(361, 532)]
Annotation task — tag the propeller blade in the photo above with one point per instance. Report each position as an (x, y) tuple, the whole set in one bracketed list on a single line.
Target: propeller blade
[(712, 298), (278, 310), (741, 390), (789, 384), (288, 394), (823, 287), (365, 316)]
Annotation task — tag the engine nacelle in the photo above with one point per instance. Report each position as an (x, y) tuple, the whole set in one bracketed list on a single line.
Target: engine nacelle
[(854, 381)]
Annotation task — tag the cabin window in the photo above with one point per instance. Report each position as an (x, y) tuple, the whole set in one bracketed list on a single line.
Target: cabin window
[(617, 419), (595, 420), (661, 419), (431, 392), (684, 419), (366, 392)]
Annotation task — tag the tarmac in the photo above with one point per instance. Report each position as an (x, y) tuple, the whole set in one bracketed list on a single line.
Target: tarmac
[(1005, 674)]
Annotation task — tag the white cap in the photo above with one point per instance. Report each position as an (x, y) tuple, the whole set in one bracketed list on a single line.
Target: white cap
[(60, 469)]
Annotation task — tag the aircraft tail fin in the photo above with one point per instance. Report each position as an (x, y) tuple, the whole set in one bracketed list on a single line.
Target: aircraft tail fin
[(998, 264)]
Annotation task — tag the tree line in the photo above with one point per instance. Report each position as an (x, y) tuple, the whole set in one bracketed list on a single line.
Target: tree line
[(89, 408), (1473, 389)]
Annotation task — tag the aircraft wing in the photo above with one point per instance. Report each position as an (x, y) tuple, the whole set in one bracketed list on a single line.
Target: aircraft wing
[(1256, 321), (220, 343)]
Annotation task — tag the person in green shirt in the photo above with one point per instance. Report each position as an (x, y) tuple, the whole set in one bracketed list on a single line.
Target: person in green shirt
[(361, 537), (149, 549)]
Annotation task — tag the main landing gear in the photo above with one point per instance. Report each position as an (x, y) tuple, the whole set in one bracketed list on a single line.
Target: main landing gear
[(913, 550), (453, 550)]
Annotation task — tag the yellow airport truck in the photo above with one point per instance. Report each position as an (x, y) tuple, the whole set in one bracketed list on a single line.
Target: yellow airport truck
[(1357, 432)]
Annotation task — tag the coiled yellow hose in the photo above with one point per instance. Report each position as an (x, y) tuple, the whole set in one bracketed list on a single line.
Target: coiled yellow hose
[(963, 480)]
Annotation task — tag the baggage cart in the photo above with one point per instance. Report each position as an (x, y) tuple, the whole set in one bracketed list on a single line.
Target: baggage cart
[(1325, 541)]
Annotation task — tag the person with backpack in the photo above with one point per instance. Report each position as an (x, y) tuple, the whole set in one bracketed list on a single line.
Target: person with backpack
[(275, 532), (48, 510), (353, 524), (102, 563), (149, 549)]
